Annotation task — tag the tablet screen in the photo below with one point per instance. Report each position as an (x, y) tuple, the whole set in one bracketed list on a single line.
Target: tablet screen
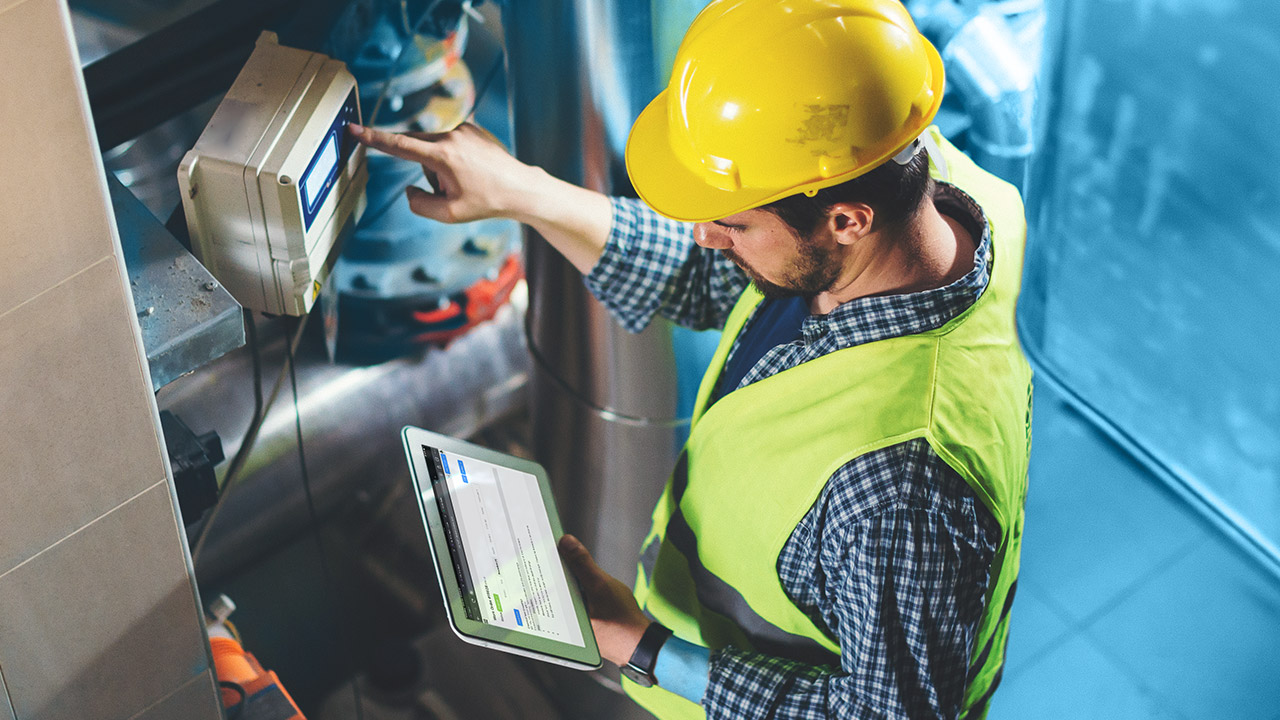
[(503, 550)]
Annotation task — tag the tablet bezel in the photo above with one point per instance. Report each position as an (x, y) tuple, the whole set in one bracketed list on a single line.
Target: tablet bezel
[(472, 631)]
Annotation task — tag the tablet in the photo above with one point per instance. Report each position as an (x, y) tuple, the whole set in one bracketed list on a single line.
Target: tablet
[(492, 527)]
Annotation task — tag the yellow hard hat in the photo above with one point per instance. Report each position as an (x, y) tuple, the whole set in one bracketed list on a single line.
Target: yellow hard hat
[(769, 98)]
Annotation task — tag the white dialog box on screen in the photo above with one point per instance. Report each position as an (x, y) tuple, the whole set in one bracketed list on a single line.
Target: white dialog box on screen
[(276, 183)]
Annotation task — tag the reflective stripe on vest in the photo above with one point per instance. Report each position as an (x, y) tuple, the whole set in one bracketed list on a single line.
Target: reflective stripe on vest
[(719, 597), (758, 459)]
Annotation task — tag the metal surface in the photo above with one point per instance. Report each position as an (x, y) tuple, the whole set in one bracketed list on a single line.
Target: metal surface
[(1151, 267), (187, 318), (148, 164), (995, 77), (992, 53), (603, 401), (351, 420)]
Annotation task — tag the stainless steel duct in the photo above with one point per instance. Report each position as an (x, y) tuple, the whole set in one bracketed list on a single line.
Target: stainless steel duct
[(351, 419), (995, 75), (992, 52), (603, 400)]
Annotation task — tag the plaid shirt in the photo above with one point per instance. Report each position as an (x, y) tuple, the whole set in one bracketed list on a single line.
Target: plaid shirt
[(893, 558)]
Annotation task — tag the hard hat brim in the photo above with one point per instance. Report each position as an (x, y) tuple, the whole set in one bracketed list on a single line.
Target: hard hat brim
[(667, 185), (673, 190)]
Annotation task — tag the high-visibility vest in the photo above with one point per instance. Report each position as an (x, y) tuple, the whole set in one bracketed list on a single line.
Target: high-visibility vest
[(757, 459)]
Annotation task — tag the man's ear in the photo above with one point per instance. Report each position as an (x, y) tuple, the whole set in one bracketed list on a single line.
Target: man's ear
[(849, 222)]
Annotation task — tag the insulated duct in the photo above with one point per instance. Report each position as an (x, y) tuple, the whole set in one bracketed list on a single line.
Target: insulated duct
[(992, 53), (351, 419), (603, 401)]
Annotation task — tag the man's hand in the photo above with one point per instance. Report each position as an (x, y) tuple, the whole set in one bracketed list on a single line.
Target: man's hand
[(474, 177), (616, 618)]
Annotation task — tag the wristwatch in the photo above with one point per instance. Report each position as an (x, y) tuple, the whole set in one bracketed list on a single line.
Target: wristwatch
[(639, 669)]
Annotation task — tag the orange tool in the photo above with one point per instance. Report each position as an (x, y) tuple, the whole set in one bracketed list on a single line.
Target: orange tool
[(263, 695)]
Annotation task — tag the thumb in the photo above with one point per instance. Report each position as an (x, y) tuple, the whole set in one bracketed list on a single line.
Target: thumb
[(578, 558), (428, 205)]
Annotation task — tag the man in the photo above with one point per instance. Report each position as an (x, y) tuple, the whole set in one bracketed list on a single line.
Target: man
[(840, 537)]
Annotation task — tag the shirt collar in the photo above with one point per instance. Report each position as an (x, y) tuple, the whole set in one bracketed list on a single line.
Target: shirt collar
[(867, 319)]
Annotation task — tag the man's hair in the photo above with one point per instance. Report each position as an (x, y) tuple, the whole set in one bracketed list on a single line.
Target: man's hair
[(894, 192)]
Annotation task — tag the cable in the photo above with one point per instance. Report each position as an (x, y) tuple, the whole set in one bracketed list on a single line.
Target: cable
[(260, 408), (251, 435), (251, 332), (231, 628), (315, 520), (235, 710)]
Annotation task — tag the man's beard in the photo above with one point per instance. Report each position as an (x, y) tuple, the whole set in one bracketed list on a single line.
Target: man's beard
[(813, 272)]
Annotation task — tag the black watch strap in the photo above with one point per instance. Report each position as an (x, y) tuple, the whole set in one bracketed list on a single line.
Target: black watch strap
[(645, 657)]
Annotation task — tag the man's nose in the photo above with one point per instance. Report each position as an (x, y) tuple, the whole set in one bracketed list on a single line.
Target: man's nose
[(710, 235)]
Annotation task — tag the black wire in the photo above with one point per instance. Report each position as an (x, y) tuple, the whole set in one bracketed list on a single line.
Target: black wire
[(251, 335), (302, 453), (246, 443), (235, 710), (315, 523), (250, 436)]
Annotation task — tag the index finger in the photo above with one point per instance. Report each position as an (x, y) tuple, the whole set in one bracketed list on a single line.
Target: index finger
[(399, 145)]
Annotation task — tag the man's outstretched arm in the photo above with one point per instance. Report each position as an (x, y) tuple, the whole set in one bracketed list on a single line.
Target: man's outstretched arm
[(474, 178), (636, 262)]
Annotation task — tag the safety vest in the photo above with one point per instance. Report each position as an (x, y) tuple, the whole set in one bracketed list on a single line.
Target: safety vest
[(757, 459)]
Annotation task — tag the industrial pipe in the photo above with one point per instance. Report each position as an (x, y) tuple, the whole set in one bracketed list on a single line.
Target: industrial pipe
[(605, 422), (351, 419)]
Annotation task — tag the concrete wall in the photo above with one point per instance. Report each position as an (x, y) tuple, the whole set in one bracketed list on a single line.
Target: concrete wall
[(98, 613)]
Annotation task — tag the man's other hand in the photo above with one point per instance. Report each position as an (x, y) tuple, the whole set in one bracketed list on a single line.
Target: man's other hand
[(473, 175), (616, 618)]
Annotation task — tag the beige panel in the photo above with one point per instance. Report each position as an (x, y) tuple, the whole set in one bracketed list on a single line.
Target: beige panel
[(197, 700), (97, 615), (52, 223), (79, 436), (103, 624)]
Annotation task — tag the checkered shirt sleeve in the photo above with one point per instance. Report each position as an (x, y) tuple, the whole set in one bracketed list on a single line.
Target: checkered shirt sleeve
[(651, 265)]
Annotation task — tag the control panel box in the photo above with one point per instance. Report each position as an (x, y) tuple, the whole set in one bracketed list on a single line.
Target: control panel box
[(276, 182)]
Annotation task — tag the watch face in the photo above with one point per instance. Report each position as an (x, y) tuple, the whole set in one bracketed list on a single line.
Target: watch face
[(637, 676)]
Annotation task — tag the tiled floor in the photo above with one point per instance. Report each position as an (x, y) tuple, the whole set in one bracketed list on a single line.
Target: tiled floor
[(1130, 605)]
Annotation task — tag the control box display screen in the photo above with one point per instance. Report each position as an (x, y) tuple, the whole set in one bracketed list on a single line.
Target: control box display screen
[(326, 163), (325, 167)]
